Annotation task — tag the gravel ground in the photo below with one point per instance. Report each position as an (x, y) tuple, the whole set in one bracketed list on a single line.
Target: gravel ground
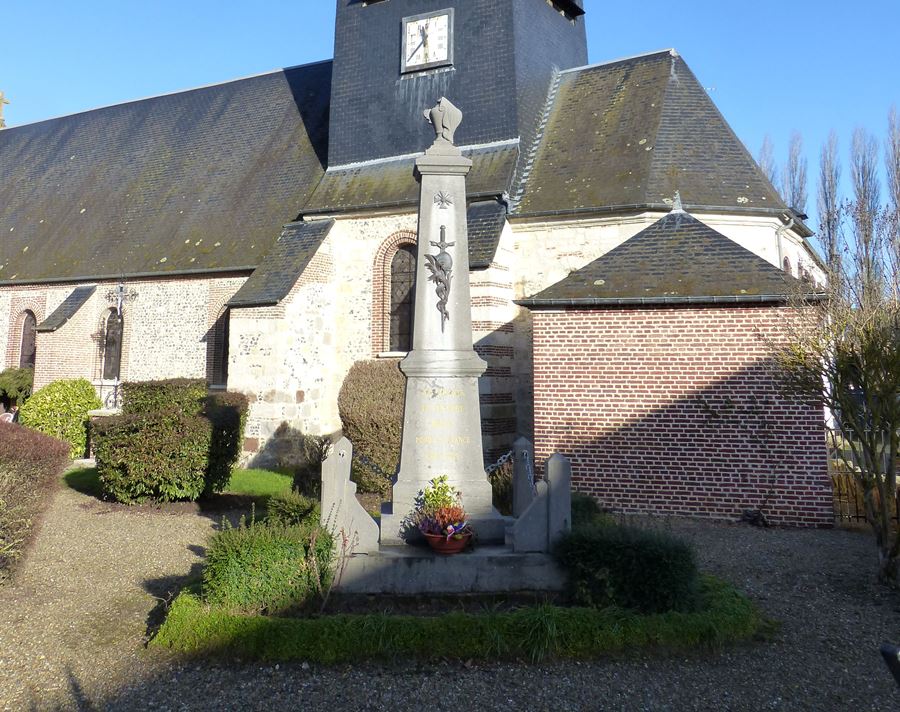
[(73, 623)]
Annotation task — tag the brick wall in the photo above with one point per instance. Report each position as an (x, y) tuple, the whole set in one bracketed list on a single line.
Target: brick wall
[(675, 411)]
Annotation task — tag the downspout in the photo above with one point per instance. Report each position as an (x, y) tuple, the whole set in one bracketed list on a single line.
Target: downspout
[(779, 234)]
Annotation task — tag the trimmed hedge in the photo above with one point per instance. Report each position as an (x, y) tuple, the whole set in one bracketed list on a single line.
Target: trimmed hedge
[(60, 410), (30, 469), (267, 567), (291, 508), (533, 634), (227, 414), (371, 408), (185, 395), (174, 453), (645, 570), (153, 456)]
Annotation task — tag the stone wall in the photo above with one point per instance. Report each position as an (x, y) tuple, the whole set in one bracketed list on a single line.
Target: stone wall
[(675, 411), (166, 327)]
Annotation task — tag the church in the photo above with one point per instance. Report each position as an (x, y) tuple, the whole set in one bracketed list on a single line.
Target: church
[(261, 233)]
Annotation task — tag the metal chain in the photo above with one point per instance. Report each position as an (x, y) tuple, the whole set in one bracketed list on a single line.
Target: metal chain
[(491, 469)]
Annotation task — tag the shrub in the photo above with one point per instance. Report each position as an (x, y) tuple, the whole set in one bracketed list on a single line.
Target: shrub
[(227, 413), (292, 508), (645, 570), (16, 383), (185, 395), (158, 456), (30, 468), (371, 410), (60, 410), (585, 510), (501, 481), (265, 567), (314, 449)]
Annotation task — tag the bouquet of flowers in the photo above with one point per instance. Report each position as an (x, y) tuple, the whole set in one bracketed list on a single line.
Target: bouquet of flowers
[(439, 511)]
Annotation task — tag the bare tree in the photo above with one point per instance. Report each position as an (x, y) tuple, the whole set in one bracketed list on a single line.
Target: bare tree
[(866, 210), (845, 350), (829, 201), (795, 180), (892, 161), (767, 161)]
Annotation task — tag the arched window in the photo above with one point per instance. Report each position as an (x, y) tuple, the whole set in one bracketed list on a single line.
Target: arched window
[(112, 346), (28, 351), (403, 281), (786, 264), (217, 350)]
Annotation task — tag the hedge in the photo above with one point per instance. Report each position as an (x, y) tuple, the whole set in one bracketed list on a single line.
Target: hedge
[(646, 570), (60, 410), (174, 453), (30, 469), (185, 395), (152, 456), (533, 634), (267, 567), (371, 404)]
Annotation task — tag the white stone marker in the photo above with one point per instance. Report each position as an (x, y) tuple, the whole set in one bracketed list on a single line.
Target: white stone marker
[(442, 420)]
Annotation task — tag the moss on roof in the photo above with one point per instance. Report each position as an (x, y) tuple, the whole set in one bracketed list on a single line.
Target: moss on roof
[(200, 180), (631, 133)]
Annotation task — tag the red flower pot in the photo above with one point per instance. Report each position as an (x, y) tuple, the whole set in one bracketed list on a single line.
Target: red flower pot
[(442, 545)]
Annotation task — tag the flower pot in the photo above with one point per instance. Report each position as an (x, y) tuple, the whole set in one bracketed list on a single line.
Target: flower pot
[(442, 545)]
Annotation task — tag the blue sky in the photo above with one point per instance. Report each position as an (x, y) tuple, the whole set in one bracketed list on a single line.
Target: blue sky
[(772, 67)]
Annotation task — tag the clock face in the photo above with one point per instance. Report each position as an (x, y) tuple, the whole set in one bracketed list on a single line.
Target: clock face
[(427, 41)]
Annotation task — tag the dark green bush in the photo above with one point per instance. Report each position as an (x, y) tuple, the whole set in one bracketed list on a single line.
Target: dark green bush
[(501, 481), (291, 509), (185, 395), (314, 449), (227, 413), (60, 410), (371, 409), (153, 456), (267, 567), (648, 571), (30, 469), (16, 384), (585, 510)]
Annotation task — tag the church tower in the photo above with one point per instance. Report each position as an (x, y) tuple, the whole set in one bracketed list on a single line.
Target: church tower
[(495, 59)]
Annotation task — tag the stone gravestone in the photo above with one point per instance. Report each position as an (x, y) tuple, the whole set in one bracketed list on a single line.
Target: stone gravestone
[(442, 420)]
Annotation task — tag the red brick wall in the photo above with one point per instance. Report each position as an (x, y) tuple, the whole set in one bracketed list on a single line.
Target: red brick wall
[(675, 411)]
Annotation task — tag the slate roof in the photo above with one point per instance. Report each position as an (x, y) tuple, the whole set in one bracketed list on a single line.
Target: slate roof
[(68, 308), (485, 224), (279, 271), (196, 181), (676, 260), (381, 184), (629, 134), (203, 180)]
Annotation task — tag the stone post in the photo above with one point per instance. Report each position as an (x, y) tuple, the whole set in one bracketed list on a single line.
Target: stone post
[(442, 419)]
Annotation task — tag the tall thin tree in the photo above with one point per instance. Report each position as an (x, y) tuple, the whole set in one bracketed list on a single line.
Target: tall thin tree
[(829, 202), (767, 161), (795, 175), (865, 210), (892, 162)]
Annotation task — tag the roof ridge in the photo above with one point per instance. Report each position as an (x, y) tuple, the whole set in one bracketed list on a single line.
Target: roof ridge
[(188, 90), (643, 55)]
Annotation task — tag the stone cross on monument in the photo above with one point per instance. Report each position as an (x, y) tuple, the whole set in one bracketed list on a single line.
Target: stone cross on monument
[(442, 420)]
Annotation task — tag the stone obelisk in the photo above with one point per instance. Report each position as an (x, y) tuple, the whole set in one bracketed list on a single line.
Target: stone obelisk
[(442, 420)]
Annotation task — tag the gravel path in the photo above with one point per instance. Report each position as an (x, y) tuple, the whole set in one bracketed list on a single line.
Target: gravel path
[(72, 626)]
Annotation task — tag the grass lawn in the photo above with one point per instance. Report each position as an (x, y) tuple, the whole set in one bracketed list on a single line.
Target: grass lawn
[(259, 484), (532, 633)]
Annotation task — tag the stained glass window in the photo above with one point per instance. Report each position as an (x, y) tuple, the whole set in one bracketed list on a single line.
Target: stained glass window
[(29, 341), (403, 280), (112, 346)]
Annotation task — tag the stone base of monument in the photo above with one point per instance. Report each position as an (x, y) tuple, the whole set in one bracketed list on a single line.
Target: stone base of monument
[(522, 564), (410, 571)]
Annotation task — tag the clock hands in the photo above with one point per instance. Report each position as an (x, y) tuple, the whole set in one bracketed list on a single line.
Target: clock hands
[(423, 33)]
